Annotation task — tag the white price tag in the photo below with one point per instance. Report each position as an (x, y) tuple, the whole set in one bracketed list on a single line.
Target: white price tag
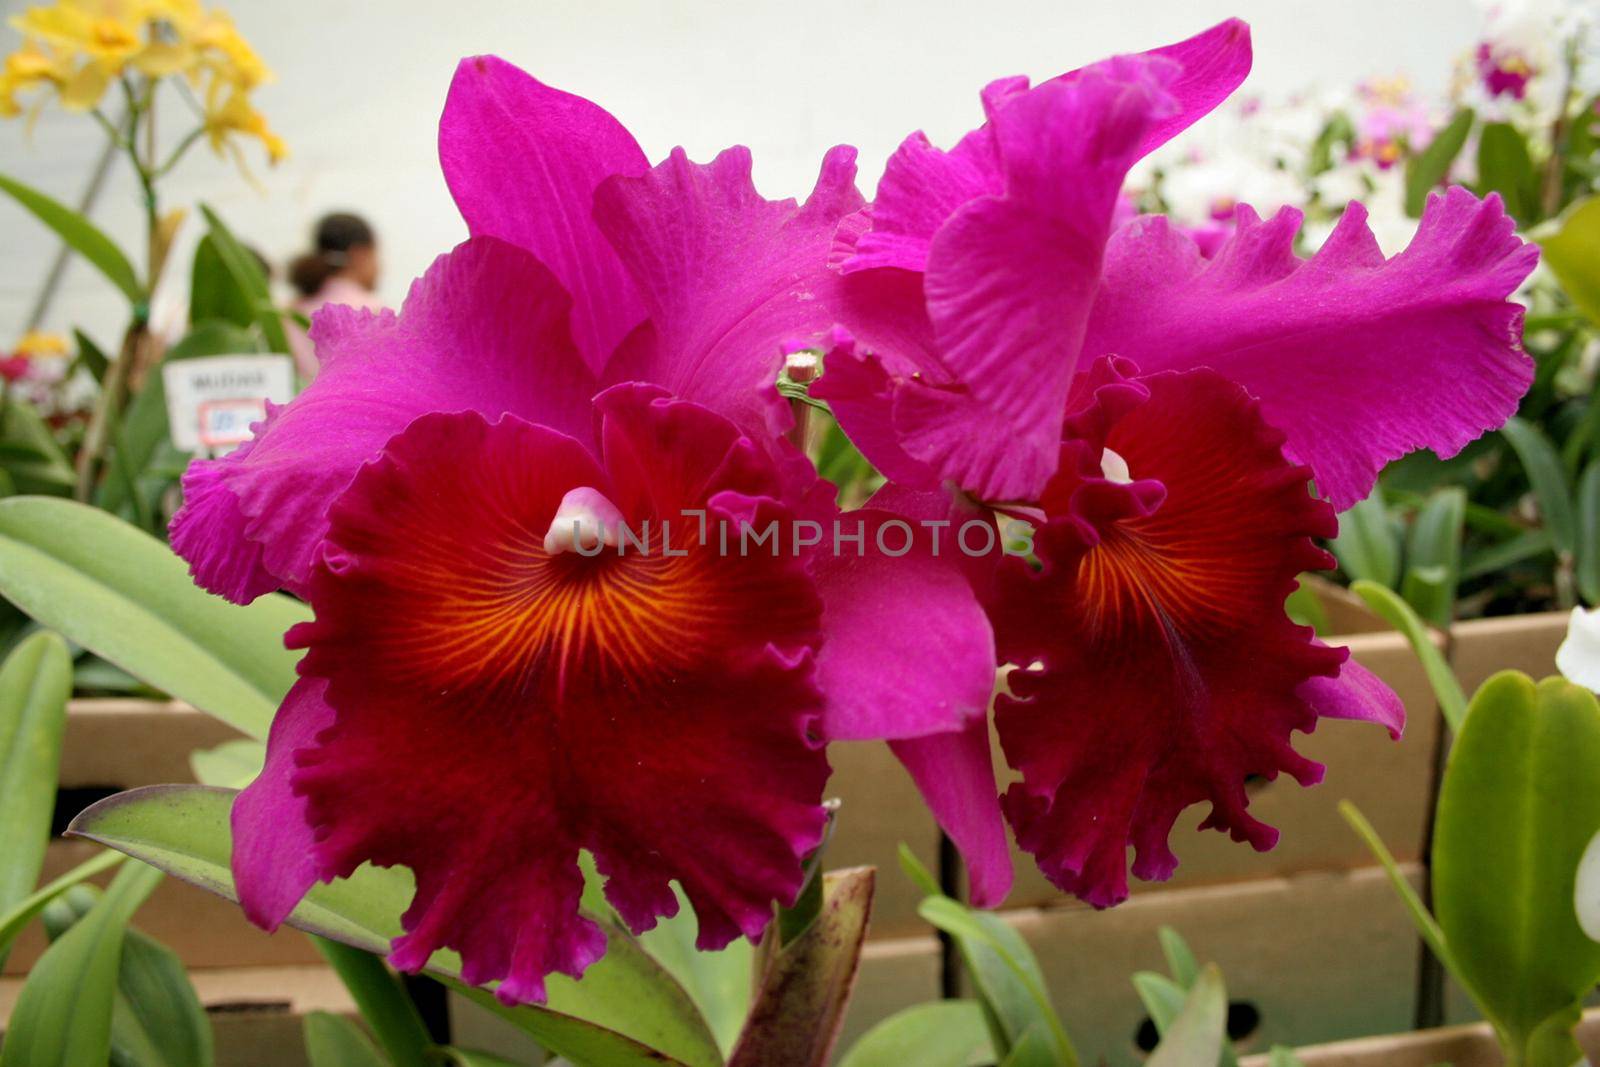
[(212, 400)]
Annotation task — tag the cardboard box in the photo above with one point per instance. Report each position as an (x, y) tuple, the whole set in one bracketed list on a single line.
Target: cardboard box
[(1459, 1046), (1317, 957)]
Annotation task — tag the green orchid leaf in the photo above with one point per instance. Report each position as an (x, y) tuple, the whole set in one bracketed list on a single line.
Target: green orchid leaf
[(122, 594), (334, 1041), (1198, 1035), (627, 1010), (35, 682), (940, 1033), (81, 235)]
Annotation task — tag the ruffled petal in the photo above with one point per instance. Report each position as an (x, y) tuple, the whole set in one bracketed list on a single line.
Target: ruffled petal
[(272, 864), (955, 774), (484, 330), (497, 707), (1157, 668), (522, 161), (1357, 359), (727, 277), (923, 186), (1011, 278)]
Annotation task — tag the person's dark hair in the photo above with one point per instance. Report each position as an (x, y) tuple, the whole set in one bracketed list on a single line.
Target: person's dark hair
[(332, 241)]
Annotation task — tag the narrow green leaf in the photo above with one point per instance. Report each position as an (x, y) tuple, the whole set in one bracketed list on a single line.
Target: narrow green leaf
[(1305, 607), (19, 915), (384, 1004), (1504, 167), (1588, 573), (800, 1005), (1180, 959), (334, 1041), (718, 982), (1433, 556), (463, 1057), (626, 1011), (918, 873), (1368, 545), (246, 274), (1527, 545), (124, 595), (233, 764), (1197, 1035), (81, 235), (35, 682), (1163, 999), (29, 452), (157, 1020), (214, 294), (90, 356), (1429, 167), (1397, 613), (1421, 918), (1548, 477), (1034, 1049), (62, 1017), (1005, 972), (940, 1033), (1516, 810), (1280, 1056), (1573, 255)]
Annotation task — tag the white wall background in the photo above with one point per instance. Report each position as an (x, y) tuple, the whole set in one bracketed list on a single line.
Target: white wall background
[(361, 82)]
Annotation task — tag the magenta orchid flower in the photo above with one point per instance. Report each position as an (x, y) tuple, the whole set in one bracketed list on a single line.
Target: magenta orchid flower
[(484, 693), (1157, 411)]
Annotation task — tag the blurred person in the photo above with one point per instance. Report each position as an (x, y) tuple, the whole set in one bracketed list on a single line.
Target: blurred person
[(341, 268)]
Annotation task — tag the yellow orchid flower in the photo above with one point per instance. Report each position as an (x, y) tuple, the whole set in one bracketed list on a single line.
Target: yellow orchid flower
[(32, 66), (228, 112), (37, 343)]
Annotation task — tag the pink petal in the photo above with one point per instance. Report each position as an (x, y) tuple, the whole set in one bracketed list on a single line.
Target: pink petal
[(1357, 359), (1011, 279), (726, 276), (523, 161), (907, 650), (1157, 668), (484, 330), (272, 864), (955, 774), (923, 186), (498, 707), (1358, 694)]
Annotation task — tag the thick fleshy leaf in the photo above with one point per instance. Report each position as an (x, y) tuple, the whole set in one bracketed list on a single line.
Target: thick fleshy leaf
[(157, 1019), (523, 161), (800, 1004), (718, 982), (1159, 669), (625, 1006), (1346, 351), (1573, 253), (35, 682), (122, 594), (598, 701), (16, 918), (726, 276), (484, 330), (1517, 809), (941, 1033), (1011, 279)]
